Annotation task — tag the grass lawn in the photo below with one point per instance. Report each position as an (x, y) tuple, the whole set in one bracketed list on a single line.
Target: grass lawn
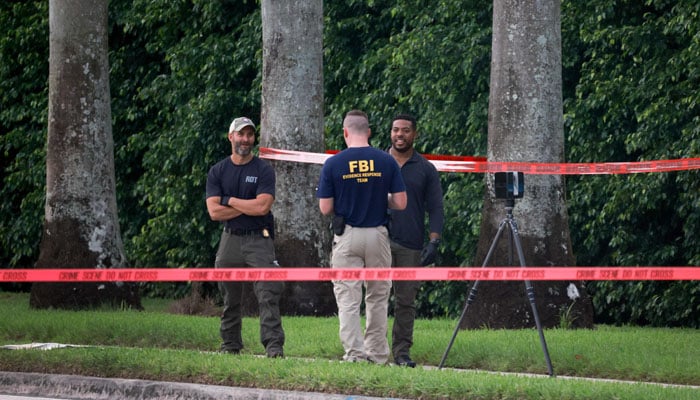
[(158, 345)]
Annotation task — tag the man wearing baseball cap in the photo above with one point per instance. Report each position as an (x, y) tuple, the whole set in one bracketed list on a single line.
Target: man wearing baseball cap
[(240, 192)]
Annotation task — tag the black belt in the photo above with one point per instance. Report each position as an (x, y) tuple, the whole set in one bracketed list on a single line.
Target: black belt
[(243, 232)]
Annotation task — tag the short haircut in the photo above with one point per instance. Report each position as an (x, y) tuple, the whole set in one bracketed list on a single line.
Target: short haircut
[(406, 117), (356, 121)]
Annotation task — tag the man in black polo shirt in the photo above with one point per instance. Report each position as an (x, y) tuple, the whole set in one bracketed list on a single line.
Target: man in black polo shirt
[(407, 230), (240, 193)]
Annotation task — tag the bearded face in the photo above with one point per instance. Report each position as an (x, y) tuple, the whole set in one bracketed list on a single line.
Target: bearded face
[(243, 141), (402, 135)]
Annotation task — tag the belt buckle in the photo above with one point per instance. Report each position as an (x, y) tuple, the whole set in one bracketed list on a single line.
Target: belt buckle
[(265, 233)]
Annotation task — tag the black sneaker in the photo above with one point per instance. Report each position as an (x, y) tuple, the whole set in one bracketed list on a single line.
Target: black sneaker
[(276, 353), (405, 361)]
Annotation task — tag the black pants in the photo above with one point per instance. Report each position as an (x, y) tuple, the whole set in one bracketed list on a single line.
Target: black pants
[(252, 251), (404, 301)]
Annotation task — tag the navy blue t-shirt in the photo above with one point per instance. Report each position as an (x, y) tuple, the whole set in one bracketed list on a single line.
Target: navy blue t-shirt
[(246, 182), (359, 179)]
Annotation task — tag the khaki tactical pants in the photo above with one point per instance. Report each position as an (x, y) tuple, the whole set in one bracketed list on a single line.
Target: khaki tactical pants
[(363, 248)]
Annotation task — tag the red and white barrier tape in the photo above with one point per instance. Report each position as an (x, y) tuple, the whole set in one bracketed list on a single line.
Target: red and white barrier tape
[(327, 274), (479, 164)]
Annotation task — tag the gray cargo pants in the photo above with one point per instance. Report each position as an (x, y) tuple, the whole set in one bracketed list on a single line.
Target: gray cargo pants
[(253, 251)]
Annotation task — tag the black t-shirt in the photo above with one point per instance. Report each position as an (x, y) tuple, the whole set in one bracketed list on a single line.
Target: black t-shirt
[(245, 181), (424, 196)]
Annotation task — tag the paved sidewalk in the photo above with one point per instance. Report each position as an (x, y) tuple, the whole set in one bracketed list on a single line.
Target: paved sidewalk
[(84, 387), (74, 387)]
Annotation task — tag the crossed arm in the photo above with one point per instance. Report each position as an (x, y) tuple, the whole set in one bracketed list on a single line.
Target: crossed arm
[(258, 206)]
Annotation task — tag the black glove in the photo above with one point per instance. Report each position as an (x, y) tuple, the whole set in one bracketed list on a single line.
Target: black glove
[(430, 252)]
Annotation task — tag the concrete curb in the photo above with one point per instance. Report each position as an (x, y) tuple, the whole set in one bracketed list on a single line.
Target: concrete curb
[(85, 387)]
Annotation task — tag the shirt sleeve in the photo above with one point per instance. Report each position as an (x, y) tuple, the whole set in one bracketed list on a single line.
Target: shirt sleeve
[(213, 183), (397, 183), (267, 180), (434, 205), (325, 184)]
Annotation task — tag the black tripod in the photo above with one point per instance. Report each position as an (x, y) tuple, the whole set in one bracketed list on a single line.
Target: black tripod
[(509, 222)]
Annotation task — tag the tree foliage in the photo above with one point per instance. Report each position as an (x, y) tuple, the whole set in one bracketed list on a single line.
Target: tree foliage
[(24, 92), (181, 69), (636, 99), (411, 65)]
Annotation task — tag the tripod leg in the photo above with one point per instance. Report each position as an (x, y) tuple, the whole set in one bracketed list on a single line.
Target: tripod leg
[(470, 299), (472, 293), (531, 296)]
